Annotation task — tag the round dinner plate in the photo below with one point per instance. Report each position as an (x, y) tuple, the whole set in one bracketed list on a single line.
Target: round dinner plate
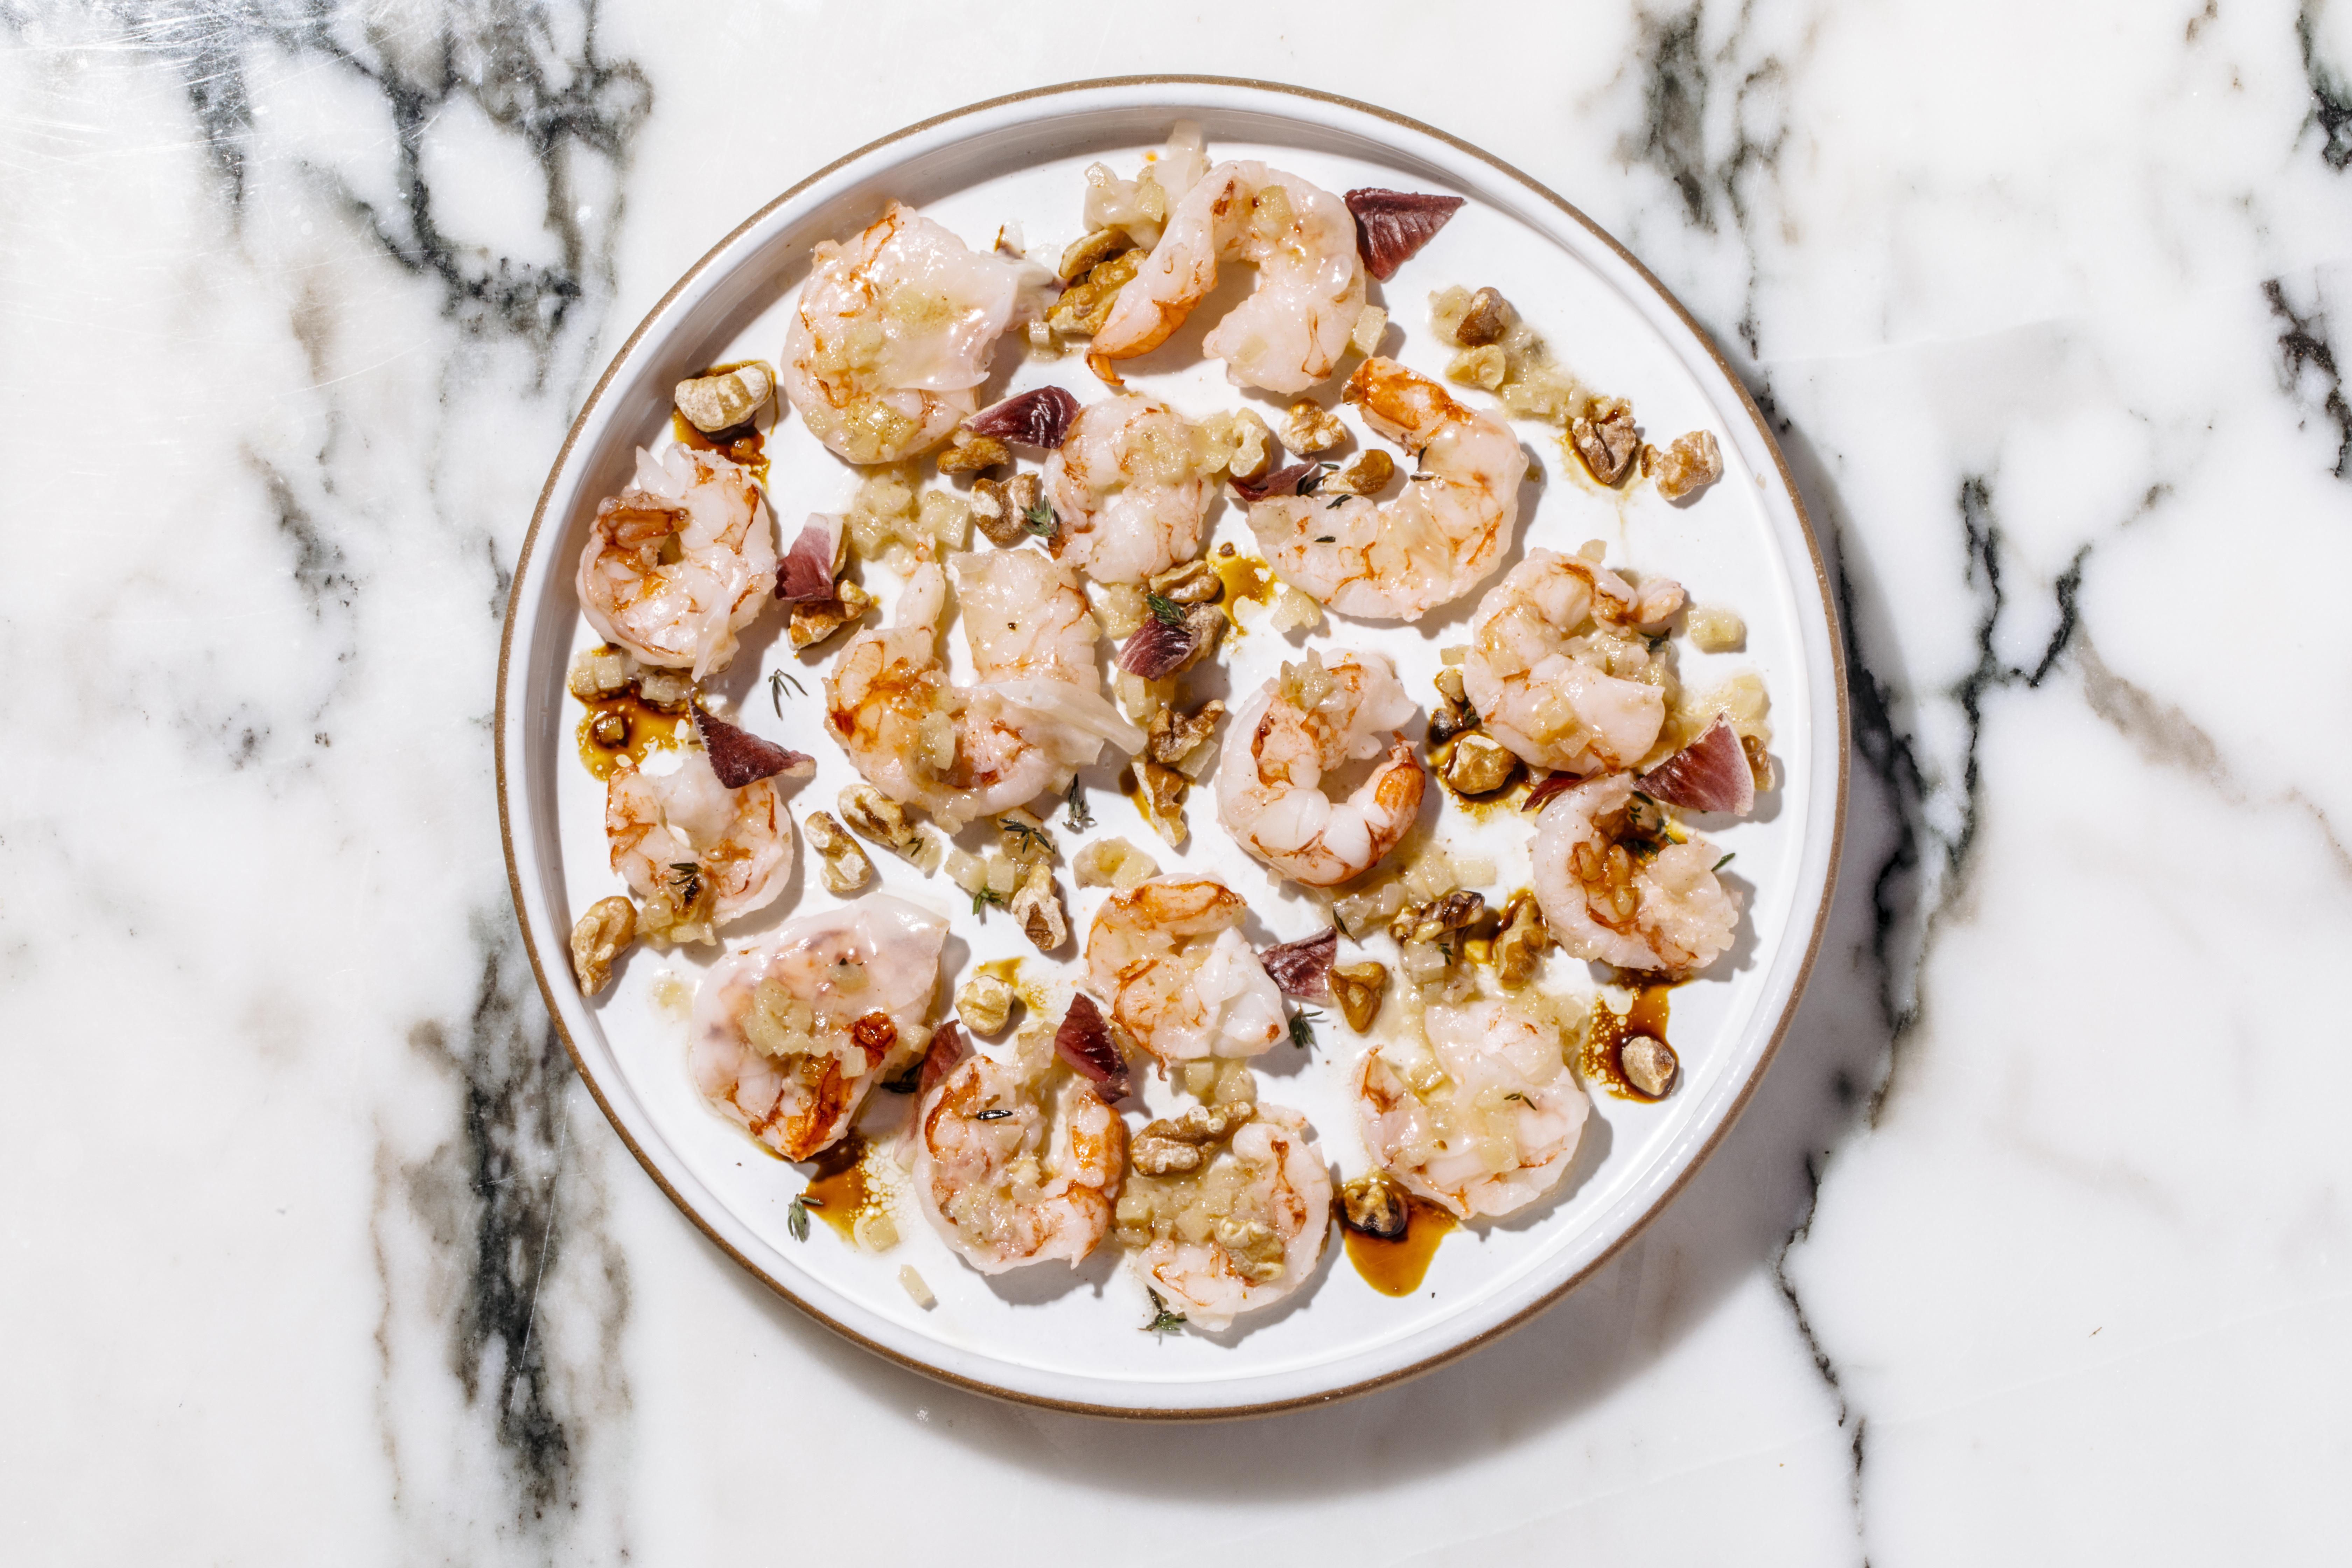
[(1067, 1337)]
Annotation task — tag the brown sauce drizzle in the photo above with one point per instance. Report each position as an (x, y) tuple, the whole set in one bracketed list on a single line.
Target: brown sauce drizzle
[(839, 1185), (743, 443), (1602, 1058), (650, 731), (1396, 1267), (1245, 577)]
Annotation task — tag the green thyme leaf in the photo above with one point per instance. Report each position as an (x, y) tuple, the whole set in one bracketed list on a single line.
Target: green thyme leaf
[(686, 876), (986, 896), (1336, 501), (776, 684), (1726, 860), (1075, 803), (1302, 1030), (1326, 539), (1040, 521), (1166, 611), (1162, 1319), (991, 1115), (796, 1219)]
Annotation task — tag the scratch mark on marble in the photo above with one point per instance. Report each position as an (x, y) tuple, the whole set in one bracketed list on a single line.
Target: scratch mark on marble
[(1847, 1416), (2331, 97), (2304, 352)]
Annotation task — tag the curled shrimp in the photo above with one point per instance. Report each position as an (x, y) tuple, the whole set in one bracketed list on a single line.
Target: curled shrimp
[(1291, 331), (1307, 722), (790, 1035), (679, 561), (1558, 669), (1179, 978), (1017, 1162), (893, 329), (1023, 730), (1394, 561), (1226, 1209), (1126, 483), (1614, 883), (697, 854), (1481, 1114)]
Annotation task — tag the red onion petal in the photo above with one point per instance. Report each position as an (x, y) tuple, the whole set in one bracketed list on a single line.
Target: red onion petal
[(1544, 793), (948, 1049), (1084, 1041), (739, 757), (1281, 483), (1711, 774), (1392, 226), (1039, 418), (806, 573), (1156, 648), (1301, 970)]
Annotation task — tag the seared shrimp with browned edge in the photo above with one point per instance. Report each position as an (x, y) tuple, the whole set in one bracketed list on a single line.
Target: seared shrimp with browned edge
[(1311, 720), (1559, 668), (1618, 883), (1170, 957), (679, 561)]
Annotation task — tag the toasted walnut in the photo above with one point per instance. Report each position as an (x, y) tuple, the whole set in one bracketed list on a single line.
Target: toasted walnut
[(1376, 1204), (1239, 443), (1113, 863), (1193, 582), (1173, 1145), (1164, 790), (875, 817), (1455, 714), (1309, 426), (1371, 327), (1438, 918), (1477, 763), (1083, 256), (1605, 438), (1649, 1065), (1488, 319), (1002, 507), (1172, 739), (1086, 305), (1715, 631), (840, 861), (1037, 906), (1358, 988), (599, 673), (1525, 939), (610, 925), (1689, 464), (721, 402), (1480, 367), (974, 455), (984, 1003), (1366, 476), (819, 619)]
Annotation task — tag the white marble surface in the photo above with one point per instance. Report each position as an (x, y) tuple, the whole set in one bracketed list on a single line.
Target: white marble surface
[(2034, 1246)]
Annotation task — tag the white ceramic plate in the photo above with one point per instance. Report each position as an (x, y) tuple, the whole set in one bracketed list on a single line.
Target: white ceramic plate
[(1070, 1338)]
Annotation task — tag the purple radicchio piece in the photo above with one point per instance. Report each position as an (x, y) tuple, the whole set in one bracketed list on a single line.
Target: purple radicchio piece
[(1711, 774), (1039, 418), (1280, 482), (1169, 639), (806, 573), (739, 757), (1392, 226), (1084, 1041), (1301, 970)]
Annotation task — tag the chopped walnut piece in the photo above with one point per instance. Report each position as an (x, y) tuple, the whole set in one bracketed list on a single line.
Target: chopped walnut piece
[(1364, 477), (1485, 322), (1239, 443), (1193, 582), (875, 817), (610, 925), (1478, 764), (1164, 789), (984, 1003), (1083, 256), (1438, 918), (1113, 863), (1524, 941), (1605, 438), (1037, 906), (1176, 1144), (1649, 1065), (1484, 367), (1086, 305), (974, 455), (1689, 464), (1172, 740), (843, 866), (815, 621), (1376, 1204), (721, 402), (1002, 507), (1308, 426), (1358, 988), (1455, 715)]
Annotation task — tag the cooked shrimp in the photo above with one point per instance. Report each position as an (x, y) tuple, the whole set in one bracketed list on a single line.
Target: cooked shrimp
[(679, 561), (1559, 670), (1394, 561), (1018, 1161), (1126, 484), (1614, 885), (697, 854), (968, 751), (1025, 617), (1227, 1208), (1291, 331), (1179, 975), (788, 1037), (895, 328), (1481, 1115), (1298, 727)]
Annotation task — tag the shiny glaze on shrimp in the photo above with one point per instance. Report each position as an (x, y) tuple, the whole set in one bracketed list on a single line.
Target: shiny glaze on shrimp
[(1558, 669), (893, 329), (1016, 1161), (1126, 483), (697, 854), (961, 753), (1613, 887), (1307, 721), (790, 1035), (1241, 1228), (1291, 331), (1449, 527), (1168, 956), (1480, 1114), (679, 561)]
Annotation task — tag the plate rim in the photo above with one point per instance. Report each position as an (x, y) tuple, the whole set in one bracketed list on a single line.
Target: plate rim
[(1665, 1197)]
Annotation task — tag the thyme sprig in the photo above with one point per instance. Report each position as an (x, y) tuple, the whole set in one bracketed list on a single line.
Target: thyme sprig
[(1166, 611), (1040, 521), (796, 1218), (777, 682), (1074, 804), (686, 876), (1302, 1029), (1162, 1319)]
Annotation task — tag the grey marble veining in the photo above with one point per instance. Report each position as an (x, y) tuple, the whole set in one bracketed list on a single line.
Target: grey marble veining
[(2034, 1242)]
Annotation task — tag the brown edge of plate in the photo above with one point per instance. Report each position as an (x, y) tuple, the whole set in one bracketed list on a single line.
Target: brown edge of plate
[(1780, 1029)]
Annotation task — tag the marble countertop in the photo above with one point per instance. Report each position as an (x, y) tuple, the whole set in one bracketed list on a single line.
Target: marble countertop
[(2031, 1247)]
